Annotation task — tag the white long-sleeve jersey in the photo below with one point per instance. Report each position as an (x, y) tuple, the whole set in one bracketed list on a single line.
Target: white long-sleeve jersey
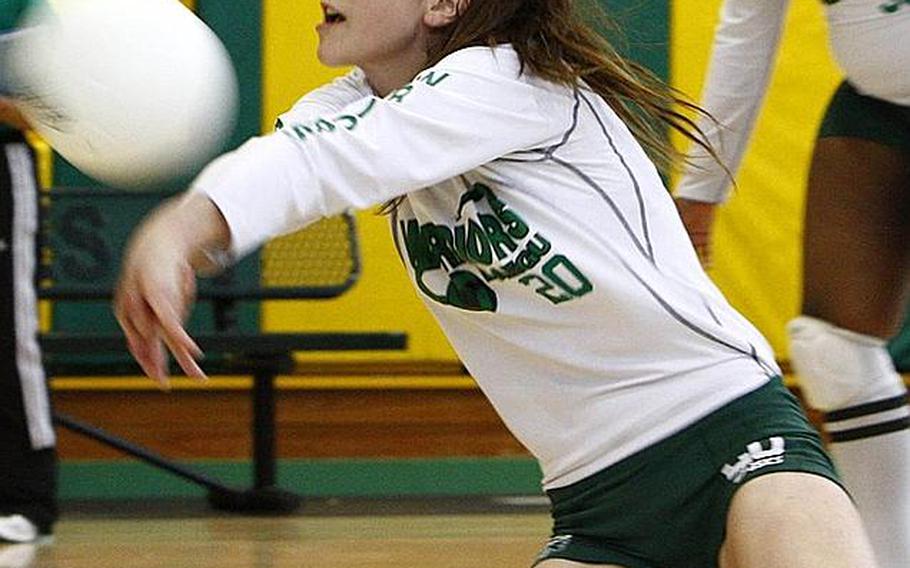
[(537, 232), (870, 40)]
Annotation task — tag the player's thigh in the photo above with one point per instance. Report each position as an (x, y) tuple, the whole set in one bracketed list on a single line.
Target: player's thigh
[(560, 563), (856, 243), (791, 519)]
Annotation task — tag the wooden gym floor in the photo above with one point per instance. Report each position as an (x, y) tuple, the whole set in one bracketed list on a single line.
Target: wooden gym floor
[(329, 534)]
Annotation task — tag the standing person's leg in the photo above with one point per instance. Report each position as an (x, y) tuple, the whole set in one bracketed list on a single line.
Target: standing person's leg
[(27, 453), (856, 264)]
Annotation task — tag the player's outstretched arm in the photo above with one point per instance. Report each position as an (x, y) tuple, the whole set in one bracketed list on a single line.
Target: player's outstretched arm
[(158, 283)]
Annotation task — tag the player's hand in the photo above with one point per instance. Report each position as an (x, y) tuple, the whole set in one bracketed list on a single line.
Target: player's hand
[(11, 116), (157, 290), (698, 217)]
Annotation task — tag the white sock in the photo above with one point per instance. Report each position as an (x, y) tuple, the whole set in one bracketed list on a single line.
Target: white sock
[(876, 469), (851, 377)]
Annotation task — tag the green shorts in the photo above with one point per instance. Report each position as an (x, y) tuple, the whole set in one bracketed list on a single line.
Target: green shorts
[(666, 506), (853, 115)]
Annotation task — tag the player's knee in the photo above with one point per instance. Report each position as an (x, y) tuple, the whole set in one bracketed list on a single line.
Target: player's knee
[(838, 368)]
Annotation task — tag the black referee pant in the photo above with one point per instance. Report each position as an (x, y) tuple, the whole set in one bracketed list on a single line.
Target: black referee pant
[(28, 467)]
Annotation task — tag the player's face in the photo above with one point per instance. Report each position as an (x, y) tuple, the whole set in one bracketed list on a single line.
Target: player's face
[(373, 33)]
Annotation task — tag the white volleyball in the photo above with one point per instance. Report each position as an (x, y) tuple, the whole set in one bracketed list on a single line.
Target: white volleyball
[(134, 93)]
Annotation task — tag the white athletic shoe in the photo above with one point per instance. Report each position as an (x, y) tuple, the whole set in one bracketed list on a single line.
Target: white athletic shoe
[(17, 529)]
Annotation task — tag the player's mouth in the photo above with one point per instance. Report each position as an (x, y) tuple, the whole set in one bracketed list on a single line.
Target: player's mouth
[(331, 15)]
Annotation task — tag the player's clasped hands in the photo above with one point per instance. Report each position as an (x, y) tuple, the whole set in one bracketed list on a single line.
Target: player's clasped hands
[(156, 292)]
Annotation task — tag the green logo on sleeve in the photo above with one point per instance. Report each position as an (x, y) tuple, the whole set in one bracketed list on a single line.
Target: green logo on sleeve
[(892, 6), (325, 125), (490, 242), (351, 121)]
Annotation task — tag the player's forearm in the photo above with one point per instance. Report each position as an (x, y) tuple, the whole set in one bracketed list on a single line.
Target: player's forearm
[(742, 58)]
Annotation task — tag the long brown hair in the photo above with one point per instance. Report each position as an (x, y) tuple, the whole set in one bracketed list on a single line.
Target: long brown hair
[(556, 40)]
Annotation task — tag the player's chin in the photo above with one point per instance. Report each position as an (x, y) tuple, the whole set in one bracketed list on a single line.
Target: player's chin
[(329, 54)]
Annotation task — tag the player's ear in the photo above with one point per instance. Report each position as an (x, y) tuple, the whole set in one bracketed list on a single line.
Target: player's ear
[(441, 13)]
